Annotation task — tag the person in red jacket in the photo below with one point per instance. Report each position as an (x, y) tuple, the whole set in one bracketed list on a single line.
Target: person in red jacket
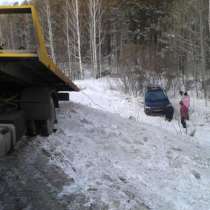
[(184, 114), (186, 102)]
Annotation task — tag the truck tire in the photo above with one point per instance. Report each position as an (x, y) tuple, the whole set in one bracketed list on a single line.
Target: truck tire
[(5, 141), (47, 126), (17, 119), (31, 128), (7, 138)]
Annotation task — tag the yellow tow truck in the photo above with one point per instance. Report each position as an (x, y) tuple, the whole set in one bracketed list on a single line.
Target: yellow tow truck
[(29, 87)]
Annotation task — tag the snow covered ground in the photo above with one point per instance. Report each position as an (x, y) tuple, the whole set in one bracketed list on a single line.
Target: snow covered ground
[(121, 159), (104, 95), (108, 155), (123, 164)]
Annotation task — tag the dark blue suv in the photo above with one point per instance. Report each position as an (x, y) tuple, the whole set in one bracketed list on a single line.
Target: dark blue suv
[(156, 102)]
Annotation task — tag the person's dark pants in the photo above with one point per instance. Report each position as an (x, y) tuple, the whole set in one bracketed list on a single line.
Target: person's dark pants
[(183, 121), (187, 114), (188, 117), (169, 113)]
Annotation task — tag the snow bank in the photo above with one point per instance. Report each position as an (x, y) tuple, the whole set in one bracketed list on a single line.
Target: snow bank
[(122, 164), (104, 94), (120, 159)]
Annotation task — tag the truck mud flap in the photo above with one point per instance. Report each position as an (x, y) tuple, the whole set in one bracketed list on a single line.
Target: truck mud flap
[(35, 103)]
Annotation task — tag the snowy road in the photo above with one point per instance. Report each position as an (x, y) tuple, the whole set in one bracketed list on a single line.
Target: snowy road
[(28, 182)]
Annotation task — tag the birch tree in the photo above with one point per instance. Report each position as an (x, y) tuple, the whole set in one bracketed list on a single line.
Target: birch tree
[(202, 49), (69, 73), (73, 35), (95, 13), (50, 30), (209, 15)]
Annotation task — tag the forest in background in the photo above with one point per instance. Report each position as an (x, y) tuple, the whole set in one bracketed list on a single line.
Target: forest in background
[(141, 41)]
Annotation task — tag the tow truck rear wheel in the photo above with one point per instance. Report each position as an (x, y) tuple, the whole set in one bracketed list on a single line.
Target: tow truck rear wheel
[(47, 126), (6, 143), (31, 128)]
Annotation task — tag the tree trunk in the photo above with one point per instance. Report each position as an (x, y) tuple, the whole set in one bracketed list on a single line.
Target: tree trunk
[(203, 54), (50, 31), (69, 73), (79, 39)]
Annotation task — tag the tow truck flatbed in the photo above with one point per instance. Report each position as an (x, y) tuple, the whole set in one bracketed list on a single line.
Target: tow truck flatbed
[(21, 68)]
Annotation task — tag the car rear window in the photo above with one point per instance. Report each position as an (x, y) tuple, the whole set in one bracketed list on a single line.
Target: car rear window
[(157, 95)]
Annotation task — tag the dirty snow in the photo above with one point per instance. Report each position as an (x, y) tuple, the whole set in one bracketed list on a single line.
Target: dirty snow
[(123, 160)]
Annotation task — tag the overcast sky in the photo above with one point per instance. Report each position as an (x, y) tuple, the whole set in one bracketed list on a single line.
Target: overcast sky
[(9, 1)]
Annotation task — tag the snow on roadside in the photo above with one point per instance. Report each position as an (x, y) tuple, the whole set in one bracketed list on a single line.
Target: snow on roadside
[(120, 164), (104, 94), (120, 159)]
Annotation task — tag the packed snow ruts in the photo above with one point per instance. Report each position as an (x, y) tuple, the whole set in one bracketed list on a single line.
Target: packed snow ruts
[(28, 182)]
